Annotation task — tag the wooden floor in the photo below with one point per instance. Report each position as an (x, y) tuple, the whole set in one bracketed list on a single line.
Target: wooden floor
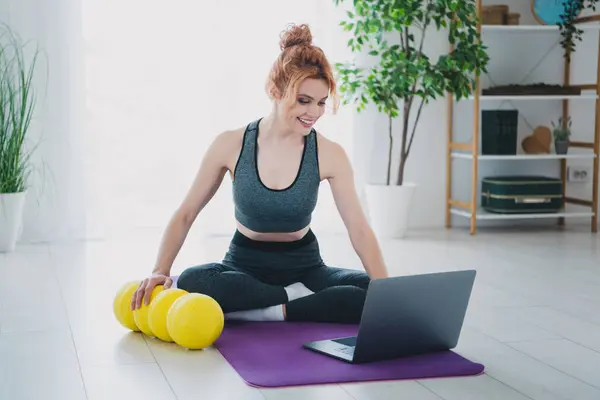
[(534, 321)]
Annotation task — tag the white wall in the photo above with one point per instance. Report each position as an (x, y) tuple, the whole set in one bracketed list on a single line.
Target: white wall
[(57, 206), (513, 55), (158, 94), (54, 209)]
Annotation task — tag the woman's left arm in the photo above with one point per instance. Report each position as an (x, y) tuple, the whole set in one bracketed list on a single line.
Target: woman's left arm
[(338, 171)]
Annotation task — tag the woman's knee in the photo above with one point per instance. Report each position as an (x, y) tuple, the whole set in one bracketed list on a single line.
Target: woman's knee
[(334, 276), (336, 304), (360, 279), (352, 277), (199, 279)]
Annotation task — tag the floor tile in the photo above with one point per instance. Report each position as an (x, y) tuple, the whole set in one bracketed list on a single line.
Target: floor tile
[(524, 373), (36, 365), (494, 322), (573, 359), (319, 392), (562, 324), (472, 388), (390, 390), (200, 371), (131, 382)]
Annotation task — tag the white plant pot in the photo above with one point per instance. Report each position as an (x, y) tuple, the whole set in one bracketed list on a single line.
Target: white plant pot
[(11, 220), (389, 209)]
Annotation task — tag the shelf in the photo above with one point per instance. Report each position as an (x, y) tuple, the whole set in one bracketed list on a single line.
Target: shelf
[(573, 212), (469, 156), (533, 28), (540, 96), (536, 97)]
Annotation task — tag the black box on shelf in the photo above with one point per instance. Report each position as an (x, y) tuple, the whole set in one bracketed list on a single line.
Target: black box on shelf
[(521, 194), (499, 132)]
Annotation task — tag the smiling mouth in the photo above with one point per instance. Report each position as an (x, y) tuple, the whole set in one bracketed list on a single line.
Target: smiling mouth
[(306, 122)]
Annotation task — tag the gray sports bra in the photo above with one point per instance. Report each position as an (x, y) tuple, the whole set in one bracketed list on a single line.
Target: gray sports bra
[(263, 209)]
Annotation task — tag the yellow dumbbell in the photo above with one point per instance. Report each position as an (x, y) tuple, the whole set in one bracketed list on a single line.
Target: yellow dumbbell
[(122, 305), (159, 308), (195, 321), (140, 315)]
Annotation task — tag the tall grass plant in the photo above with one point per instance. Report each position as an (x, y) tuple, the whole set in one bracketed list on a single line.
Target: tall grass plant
[(18, 99)]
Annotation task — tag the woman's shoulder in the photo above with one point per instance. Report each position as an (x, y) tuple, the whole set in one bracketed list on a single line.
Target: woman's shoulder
[(332, 156), (329, 147), (229, 140), (226, 146)]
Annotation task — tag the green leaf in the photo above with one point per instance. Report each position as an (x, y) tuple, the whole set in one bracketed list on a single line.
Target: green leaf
[(18, 100), (403, 75)]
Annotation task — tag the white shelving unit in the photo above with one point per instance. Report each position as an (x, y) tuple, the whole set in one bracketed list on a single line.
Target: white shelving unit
[(534, 28), (572, 207), (571, 212), (582, 96), (524, 157)]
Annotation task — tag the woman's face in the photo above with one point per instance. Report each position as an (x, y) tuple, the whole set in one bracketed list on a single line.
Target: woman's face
[(308, 107)]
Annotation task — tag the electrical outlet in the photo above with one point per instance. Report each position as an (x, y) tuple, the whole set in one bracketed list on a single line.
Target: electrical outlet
[(579, 174)]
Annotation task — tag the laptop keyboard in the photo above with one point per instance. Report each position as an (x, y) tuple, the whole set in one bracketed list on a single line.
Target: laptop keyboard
[(348, 341), (346, 350)]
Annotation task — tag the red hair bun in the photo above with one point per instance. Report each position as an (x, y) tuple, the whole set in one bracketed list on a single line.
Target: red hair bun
[(299, 59), (295, 35)]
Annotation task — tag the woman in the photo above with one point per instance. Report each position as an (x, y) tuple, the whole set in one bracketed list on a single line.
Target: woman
[(273, 270)]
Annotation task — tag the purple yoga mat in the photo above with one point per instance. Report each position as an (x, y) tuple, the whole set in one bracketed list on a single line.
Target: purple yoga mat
[(270, 354)]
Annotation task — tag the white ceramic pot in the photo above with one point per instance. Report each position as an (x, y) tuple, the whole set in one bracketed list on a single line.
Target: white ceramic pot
[(389, 209), (11, 219)]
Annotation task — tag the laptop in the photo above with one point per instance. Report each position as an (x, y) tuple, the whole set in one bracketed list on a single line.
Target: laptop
[(404, 316)]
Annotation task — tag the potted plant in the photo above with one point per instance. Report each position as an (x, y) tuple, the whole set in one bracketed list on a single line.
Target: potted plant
[(562, 134), (404, 79), (17, 104)]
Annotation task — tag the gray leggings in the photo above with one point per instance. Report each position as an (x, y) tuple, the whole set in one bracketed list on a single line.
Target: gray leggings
[(253, 275)]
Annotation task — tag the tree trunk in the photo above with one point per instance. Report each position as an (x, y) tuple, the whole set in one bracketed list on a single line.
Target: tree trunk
[(391, 147), (400, 178), (401, 170)]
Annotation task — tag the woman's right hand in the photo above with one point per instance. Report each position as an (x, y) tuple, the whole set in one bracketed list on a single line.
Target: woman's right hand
[(146, 287)]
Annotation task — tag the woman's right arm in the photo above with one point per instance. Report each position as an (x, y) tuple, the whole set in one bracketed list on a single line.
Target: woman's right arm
[(206, 183)]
